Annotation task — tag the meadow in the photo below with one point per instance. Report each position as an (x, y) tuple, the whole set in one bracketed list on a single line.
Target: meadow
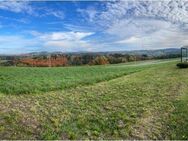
[(145, 100), (25, 80)]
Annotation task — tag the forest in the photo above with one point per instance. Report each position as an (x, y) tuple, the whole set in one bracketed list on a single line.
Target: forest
[(60, 59)]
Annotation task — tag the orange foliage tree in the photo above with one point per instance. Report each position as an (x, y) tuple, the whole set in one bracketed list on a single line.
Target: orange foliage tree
[(48, 62)]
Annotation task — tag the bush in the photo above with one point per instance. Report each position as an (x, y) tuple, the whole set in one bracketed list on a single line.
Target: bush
[(182, 65)]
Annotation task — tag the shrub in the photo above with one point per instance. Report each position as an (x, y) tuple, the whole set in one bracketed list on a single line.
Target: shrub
[(182, 65)]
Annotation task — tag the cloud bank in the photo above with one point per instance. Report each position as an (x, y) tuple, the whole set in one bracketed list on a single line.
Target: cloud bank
[(147, 24), (105, 26)]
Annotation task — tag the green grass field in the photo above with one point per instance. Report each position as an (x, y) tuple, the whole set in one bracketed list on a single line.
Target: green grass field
[(24, 80), (145, 100)]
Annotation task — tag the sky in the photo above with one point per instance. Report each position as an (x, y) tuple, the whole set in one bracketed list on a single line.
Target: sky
[(92, 26)]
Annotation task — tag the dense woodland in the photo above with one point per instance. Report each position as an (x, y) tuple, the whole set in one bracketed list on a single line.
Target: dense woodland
[(59, 59)]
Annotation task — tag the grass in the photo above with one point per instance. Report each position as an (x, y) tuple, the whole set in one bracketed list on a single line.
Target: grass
[(178, 121), (147, 104), (25, 80)]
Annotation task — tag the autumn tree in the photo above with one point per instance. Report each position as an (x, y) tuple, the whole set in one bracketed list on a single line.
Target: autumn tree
[(100, 60)]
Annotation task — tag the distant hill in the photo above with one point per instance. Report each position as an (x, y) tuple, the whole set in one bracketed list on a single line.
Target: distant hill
[(154, 53), (149, 53)]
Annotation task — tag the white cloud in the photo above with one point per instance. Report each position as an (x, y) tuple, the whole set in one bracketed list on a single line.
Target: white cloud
[(142, 24), (14, 44), (71, 36), (58, 14), (26, 7), (163, 38), (64, 41), (16, 6), (53, 12), (55, 41), (136, 24), (138, 27), (90, 13), (146, 24), (129, 40), (68, 46), (170, 10)]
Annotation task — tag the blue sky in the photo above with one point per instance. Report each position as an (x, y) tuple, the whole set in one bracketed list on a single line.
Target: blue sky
[(30, 26)]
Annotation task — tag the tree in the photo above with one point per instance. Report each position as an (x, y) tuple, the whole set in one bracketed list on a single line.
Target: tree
[(100, 60), (76, 60), (132, 58), (87, 58)]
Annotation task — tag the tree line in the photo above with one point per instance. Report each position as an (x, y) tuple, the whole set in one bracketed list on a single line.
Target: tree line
[(57, 60)]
